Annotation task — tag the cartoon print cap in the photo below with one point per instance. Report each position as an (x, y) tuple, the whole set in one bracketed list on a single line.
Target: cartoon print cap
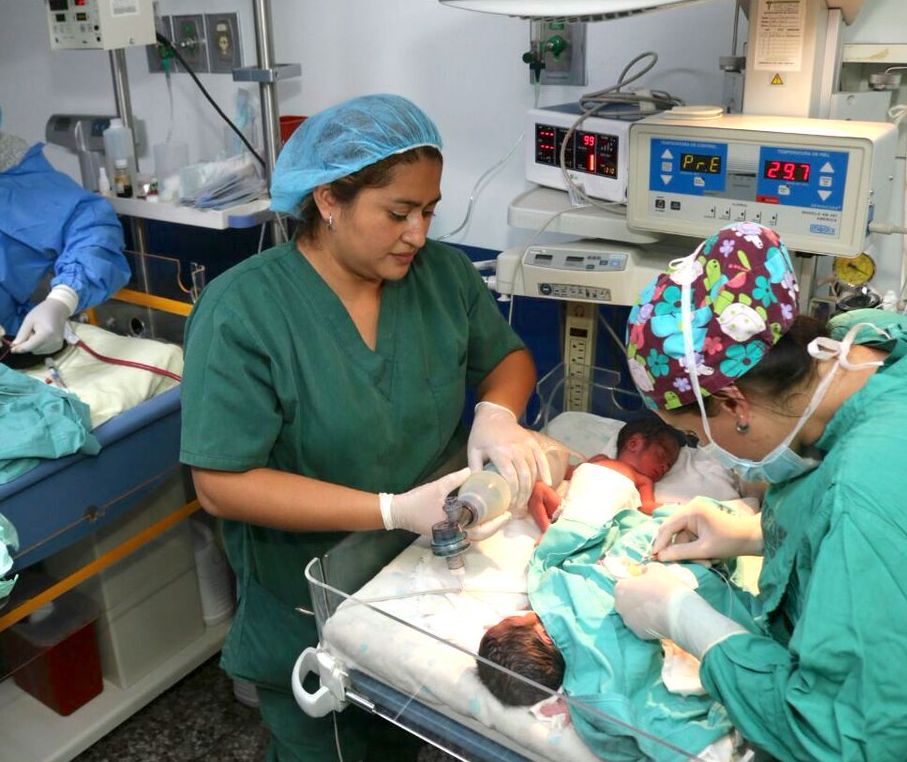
[(743, 298)]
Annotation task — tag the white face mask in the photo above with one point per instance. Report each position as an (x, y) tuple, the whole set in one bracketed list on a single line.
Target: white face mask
[(782, 463)]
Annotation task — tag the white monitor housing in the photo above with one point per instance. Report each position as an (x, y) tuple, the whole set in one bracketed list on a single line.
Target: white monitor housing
[(818, 182)]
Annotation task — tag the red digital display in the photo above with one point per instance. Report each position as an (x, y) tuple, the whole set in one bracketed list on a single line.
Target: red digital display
[(788, 171)]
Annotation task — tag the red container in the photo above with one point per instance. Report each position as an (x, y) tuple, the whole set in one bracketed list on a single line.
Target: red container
[(288, 125), (61, 666)]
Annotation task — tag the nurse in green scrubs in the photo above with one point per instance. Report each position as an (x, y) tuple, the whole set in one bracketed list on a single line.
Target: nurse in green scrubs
[(820, 414), (324, 388)]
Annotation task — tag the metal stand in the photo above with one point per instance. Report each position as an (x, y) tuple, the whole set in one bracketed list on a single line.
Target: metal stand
[(267, 74)]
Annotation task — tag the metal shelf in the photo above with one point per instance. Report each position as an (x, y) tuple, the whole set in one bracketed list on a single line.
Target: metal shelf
[(535, 207), (235, 217)]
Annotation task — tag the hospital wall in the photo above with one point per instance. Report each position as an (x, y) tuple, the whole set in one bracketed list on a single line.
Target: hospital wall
[(463, 68)]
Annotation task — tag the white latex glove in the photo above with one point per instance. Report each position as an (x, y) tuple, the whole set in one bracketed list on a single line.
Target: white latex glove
[(702, 531), (42, 329), (515, 452), (423, 506), (656, 605)]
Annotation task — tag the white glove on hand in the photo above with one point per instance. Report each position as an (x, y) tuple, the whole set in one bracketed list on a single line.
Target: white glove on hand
[(515, 452), (422, 507), (656, 605), (701, 530), (42, 329)]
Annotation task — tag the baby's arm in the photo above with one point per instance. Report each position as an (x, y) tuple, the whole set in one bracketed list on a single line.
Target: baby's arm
[(543, 502), (646, 489)]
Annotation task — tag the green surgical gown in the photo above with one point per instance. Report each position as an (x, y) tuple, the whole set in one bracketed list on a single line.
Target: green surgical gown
[(278, 376), (831, 682)]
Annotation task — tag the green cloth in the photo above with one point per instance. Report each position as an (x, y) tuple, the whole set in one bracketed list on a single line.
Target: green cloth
[(278, 376), (831, 682), (627, 713), (39, 421)]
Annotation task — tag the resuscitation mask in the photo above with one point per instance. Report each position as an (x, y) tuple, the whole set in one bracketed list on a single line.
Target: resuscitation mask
[(782, 463)]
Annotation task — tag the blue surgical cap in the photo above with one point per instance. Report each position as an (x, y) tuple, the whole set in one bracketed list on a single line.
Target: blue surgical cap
[(343, 139)]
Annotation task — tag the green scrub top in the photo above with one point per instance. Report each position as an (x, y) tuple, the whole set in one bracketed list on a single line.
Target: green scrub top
[(278, 376), (831, 681)]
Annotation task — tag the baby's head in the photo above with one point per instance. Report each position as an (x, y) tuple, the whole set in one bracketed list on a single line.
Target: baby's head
[(649, 445), (520, 644)]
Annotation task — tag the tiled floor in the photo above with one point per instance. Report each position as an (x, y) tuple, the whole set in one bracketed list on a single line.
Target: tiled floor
[(198, 719)]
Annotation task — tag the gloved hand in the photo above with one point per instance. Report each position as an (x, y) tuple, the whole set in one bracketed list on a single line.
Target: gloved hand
[(421, 507), (656, 605), (701, 530), (515, 452), (42, 329)]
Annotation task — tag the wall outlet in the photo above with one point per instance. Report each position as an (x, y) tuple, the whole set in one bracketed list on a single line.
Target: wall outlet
[(224, 46), (579, 354), (189, 38)]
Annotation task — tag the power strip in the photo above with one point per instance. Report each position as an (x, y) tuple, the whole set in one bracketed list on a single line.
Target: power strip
[(579, 355)]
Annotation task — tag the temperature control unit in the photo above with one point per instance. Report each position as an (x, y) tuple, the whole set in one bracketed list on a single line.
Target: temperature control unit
[(818, 182)]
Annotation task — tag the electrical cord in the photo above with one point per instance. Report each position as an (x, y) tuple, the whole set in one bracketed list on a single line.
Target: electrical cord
[(475, 189), (168, 44), (128, 363), (492, 170), (634, 106)]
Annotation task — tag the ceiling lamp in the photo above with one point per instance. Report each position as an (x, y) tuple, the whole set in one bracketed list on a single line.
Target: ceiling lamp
[(567, 10)]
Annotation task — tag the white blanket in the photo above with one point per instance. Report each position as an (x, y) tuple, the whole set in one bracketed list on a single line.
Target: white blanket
[(108, 388)]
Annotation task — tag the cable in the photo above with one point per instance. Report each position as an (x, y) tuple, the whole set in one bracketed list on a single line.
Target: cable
[(519, 267), (128, 363), (614, 336), (475, 189), (167, 43), (165, 63), (636, 105)]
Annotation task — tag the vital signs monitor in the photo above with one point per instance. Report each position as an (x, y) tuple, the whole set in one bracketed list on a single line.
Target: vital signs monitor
[(595, 156), (818, 182)]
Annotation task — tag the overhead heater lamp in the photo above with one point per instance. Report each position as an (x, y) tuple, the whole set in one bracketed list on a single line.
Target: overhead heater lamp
[(601, 10), (567, 10)]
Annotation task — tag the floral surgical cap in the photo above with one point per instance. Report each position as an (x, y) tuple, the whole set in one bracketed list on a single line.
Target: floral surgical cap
[(743, 298), (343, 139)]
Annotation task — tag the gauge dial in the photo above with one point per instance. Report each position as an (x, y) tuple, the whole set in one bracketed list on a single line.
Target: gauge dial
[(854, 271)]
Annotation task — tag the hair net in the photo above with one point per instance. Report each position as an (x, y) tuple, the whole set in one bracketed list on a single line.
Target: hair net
[(343, 139), (743, 298)]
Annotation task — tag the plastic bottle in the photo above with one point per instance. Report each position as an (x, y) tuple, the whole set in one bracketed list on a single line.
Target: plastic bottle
[(118, 146), (122, 182), (488, 493), (103, 182)]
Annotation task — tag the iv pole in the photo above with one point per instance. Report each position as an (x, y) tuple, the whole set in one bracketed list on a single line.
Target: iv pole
[(267, 74)]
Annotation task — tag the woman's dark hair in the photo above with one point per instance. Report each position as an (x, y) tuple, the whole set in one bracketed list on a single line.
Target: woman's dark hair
[(786, 368), (346, 189)]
